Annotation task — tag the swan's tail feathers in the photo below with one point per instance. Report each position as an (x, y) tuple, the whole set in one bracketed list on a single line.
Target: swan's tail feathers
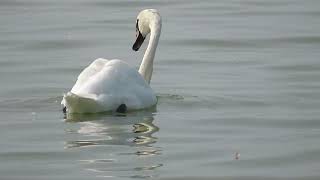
[(122, 109), (74, 103)]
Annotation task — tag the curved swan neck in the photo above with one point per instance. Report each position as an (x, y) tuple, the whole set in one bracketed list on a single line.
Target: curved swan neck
[(146, 67)]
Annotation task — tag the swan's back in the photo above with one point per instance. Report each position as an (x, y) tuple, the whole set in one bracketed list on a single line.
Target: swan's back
[(106, 84)]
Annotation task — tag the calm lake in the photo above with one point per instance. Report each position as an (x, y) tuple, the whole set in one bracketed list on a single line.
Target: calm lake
[(237, 81)]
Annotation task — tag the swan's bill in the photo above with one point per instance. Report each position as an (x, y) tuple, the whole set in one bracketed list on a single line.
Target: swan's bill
[(138, 42)]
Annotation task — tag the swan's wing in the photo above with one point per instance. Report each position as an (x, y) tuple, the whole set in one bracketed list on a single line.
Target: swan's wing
[(118, 83), (109, 84), (94, 68), (109, 77)]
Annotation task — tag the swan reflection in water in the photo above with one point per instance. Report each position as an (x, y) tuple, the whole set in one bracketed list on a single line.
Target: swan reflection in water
[(119, 145)]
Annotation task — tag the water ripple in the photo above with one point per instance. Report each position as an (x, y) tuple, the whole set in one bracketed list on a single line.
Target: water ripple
[(243, 43)]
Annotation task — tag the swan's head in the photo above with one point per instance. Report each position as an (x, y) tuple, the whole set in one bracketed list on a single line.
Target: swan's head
[(147, 21)]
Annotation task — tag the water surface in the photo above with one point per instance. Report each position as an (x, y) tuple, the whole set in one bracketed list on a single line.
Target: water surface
[(232, 78)]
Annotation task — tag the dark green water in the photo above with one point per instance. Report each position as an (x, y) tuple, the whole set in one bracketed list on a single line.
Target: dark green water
[(232, 77)]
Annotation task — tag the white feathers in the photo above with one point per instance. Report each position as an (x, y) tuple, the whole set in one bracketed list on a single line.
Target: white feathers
[(104, 85)]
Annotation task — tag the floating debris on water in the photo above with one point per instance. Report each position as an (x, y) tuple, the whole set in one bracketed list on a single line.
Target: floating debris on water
[(237, 156), (34, 115)]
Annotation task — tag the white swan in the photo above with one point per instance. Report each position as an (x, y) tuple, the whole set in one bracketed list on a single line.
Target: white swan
[(112, 85)]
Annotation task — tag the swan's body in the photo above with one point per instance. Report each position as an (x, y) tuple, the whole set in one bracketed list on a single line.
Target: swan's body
[(110, 85), (106, 84)]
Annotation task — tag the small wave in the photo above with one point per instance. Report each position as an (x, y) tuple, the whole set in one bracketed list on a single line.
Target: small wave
[(170, 97), (30, 104), (60, 44), (245, 43)]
